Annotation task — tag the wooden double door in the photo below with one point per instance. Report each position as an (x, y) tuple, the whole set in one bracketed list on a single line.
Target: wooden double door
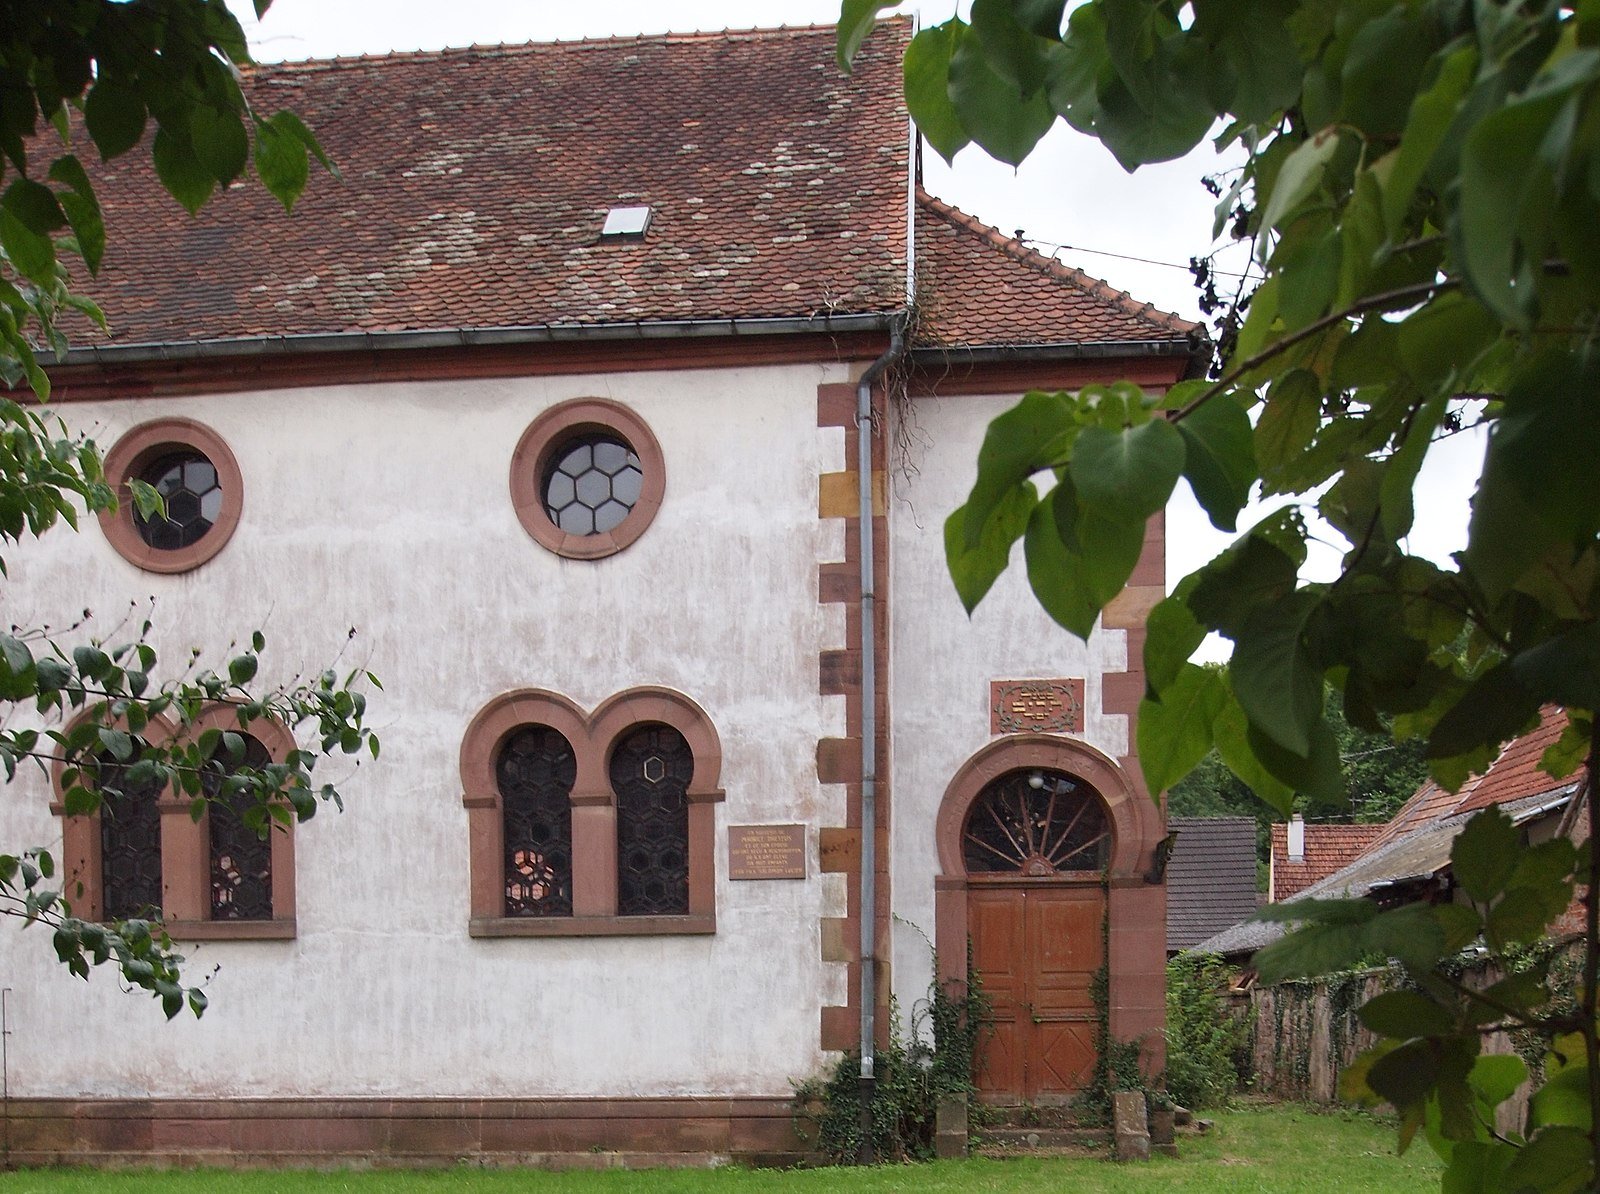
[(1036, 948)]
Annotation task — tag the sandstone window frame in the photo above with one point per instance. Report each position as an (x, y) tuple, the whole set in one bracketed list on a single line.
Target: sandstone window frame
[(550, 433), (138, 448), (185, 843), (594, 816)]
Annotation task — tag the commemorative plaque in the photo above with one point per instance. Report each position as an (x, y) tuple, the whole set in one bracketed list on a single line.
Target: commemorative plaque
[(766, 851)]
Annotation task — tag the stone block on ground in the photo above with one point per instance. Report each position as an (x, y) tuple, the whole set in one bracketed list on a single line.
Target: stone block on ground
[(1130, 1126)]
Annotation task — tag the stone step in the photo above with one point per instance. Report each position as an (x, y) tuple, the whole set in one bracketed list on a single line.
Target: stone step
[(1032, 1117), (1013, 1140), (989, 1153)]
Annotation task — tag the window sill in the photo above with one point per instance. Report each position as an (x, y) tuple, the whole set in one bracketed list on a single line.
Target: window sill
[(231, 930), (591, 926)]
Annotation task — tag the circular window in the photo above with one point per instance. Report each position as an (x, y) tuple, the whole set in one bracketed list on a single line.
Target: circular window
[(587, 478), (192, 469), (592, 484)]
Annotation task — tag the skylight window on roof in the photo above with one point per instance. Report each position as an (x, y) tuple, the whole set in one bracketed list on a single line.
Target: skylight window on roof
[(625, 222)]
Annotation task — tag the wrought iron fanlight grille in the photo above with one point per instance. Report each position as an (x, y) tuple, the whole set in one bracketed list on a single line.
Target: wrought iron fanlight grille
[(535, 771), (650, 773), (1036, 822)]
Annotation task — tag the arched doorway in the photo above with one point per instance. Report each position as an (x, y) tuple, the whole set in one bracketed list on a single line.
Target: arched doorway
[(1034, 833), (1035, 844)]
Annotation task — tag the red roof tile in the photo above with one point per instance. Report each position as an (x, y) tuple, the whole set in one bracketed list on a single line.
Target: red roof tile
[(978, 287), (474, 184), (1328, 849), (1513, 775)]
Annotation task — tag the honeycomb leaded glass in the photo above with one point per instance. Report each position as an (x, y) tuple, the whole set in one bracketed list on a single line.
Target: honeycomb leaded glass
[(241, 858), (188, 483), (591, 483), (650, 773), (130, 840), (535, 772), (1036, 822)]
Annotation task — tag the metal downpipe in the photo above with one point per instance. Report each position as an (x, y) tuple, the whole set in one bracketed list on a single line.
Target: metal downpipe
[(869, 733)]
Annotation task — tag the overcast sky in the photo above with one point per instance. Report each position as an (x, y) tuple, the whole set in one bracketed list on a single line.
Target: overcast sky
[(1069, 193)]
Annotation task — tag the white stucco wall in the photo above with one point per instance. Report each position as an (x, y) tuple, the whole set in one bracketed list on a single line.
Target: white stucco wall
[(941, 661), (386, 508)]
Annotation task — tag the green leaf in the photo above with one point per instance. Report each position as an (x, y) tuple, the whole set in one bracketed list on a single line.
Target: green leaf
[(1405, 1014), (1220, 462), (1497, 707), (994, 112), (1128, 474), (242, 669), (1274, 675), (1015, 53), (1529, 498), (856, 20), (1032, 435), (34, 204), (1252, 573), (927, 87), (975, 569), (115, 117), (117, 743), (180, 171), (1172, 636), (281, 160), (1058, 576), (1300, 176), (1232, 731), (1519, 917), (1563, 1099), (82, 210), (33, 256), (1564, 670), (1316, 775), (1174, 733), (1333, 938), (1496, 1076), (221, 145), (1556, 1159), (1484, 855)]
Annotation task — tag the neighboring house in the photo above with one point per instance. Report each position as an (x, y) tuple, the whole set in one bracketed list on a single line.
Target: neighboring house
[(1303, 854), (1409, 859), (1211, 877), (553, 396)]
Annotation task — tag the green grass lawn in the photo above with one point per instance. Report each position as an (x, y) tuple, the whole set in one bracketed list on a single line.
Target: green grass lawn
[(1265, 1148)]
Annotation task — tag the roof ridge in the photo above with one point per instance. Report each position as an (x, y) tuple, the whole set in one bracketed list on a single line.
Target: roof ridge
[(1025, 254), (533, 45)]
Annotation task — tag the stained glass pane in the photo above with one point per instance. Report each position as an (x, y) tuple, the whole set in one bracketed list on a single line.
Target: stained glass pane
[(650, 773), (130, 841), (1036, 822), (591, 484), (535, 772), (188, 482), (241, 858)]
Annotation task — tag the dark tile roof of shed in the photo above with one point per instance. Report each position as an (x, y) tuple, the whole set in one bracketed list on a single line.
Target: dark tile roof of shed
[(1328, 848), (1211, 877), (976, 286), (475, 181)]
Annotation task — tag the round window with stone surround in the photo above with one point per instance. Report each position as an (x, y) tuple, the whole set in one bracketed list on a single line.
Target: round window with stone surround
[(192, 469), (587, 478)]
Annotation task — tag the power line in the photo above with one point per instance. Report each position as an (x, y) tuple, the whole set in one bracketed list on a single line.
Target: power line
[(1055, 248)]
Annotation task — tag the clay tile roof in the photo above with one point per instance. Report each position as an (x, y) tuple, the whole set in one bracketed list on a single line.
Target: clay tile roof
[(1328, 848), (1211, 877), (1513, 775), (475, 181), (978, 287)]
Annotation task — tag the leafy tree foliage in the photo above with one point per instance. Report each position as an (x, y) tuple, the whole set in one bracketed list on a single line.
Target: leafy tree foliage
[(1421, 194), (110, 71)]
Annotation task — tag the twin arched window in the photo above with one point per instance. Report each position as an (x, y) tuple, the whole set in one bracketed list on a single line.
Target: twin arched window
[(142, 854), (595, 824)]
